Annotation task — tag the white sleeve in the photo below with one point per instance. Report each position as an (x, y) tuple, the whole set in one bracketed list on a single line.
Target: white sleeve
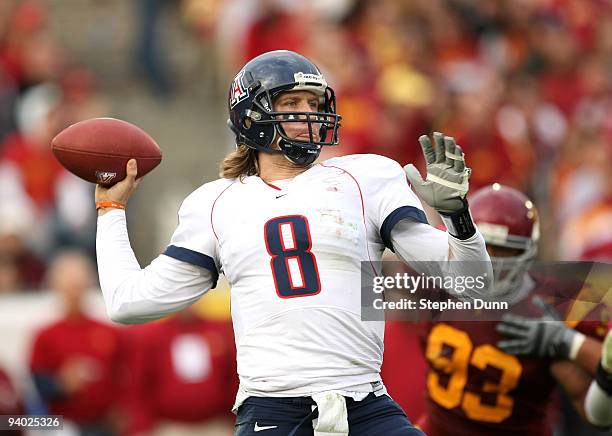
[(388, 197), (194, 239), (135, 295), (414, 241)]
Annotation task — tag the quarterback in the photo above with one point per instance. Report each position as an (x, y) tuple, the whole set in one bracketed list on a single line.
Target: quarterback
[(290, 234)]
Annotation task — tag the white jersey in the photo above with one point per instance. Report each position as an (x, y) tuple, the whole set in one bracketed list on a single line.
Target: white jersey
[(292, 254)]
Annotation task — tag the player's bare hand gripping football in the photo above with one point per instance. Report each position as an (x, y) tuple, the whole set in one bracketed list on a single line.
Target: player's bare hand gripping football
[(121, 191)]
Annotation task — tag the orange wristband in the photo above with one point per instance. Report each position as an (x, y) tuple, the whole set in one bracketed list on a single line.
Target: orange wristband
[(109, 204)]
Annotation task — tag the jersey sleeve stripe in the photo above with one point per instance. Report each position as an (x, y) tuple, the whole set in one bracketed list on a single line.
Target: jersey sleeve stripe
[(397, 215), (194, 258)]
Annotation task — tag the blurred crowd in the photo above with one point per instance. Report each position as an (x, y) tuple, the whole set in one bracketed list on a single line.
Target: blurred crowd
[(523, 85), (42, 90), (175, 376)]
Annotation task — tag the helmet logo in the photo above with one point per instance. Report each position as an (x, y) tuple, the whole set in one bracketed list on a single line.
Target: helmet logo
[(301, 79), (494, 233), (238, 92)]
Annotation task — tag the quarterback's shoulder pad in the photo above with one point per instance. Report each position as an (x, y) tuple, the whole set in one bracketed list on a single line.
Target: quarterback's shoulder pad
[(367, 165), (204, 196)]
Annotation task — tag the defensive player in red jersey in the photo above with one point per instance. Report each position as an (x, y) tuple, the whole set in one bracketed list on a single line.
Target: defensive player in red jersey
[(476, 385)]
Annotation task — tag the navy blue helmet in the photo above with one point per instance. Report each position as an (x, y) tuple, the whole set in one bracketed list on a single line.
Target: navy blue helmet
[(252, 117)]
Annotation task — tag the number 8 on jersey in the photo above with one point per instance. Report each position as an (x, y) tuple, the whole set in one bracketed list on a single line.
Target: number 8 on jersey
[(294, 267)]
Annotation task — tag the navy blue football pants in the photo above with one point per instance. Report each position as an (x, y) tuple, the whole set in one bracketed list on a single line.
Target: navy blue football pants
[(371, 416)]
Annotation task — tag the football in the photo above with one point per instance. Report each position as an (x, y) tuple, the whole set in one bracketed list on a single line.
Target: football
[(98, 149)]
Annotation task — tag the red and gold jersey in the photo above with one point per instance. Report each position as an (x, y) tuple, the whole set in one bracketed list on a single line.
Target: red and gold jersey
[(474, 388)]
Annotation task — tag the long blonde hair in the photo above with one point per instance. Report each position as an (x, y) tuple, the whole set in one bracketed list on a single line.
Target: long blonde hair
[(241, 162)]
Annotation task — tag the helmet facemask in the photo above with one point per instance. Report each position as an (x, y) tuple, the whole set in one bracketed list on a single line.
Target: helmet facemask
[(509, 271), (322, 125)]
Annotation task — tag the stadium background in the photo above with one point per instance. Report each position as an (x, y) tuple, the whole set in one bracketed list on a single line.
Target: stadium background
[(523, 85)]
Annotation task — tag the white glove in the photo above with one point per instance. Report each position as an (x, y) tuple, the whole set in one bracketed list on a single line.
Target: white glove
[(447, 176)]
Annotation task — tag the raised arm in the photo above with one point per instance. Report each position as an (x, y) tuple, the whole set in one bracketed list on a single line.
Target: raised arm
[(133, 294), (444, 189)]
